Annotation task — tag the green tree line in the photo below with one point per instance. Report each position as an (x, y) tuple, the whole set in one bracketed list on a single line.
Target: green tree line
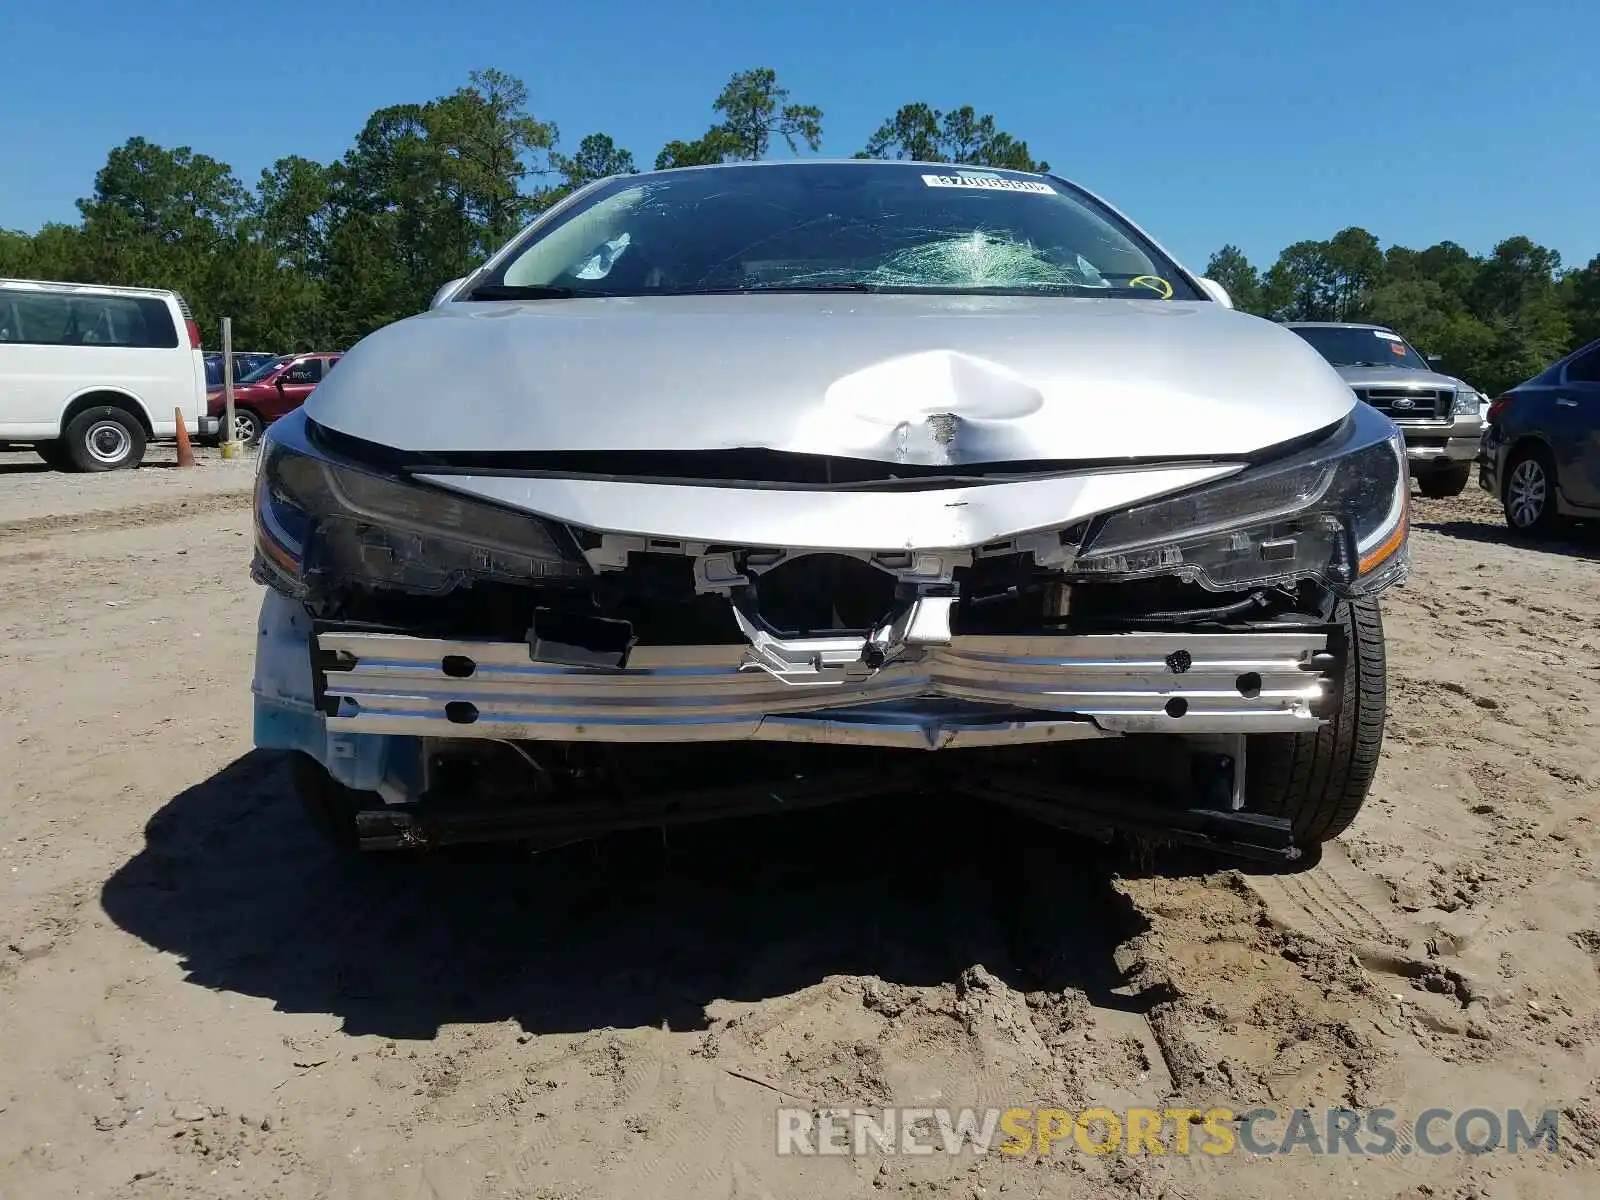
[(316, 255), (1494, 319)]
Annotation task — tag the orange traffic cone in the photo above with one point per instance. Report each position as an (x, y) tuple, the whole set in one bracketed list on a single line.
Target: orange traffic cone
[(185, 451)]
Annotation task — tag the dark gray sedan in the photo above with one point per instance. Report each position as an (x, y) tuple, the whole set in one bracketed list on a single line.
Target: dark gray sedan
[(1541, 452)]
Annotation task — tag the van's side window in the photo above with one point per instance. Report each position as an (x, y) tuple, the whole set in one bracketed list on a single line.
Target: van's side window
[(46, 319)]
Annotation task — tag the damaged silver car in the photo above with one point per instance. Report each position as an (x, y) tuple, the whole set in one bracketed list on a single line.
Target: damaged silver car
[(736, 489)]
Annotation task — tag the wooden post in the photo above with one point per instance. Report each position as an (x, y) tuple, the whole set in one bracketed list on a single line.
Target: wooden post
[(230, 448)]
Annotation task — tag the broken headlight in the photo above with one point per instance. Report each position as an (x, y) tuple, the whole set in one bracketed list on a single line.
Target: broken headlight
[(321, 522), (1336, 513)]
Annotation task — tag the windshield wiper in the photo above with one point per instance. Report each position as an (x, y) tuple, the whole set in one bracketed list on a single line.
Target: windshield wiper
[(526, 291), (1366, 364)]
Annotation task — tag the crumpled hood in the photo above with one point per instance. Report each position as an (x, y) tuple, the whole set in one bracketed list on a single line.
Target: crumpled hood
[(916, 379)]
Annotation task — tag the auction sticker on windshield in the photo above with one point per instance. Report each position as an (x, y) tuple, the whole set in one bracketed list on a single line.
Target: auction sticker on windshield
[(988, 183)]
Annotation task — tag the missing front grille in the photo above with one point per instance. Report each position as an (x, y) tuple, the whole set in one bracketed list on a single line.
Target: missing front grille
[(823, 594)]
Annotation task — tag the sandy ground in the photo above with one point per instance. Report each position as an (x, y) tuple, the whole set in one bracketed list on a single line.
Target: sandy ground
[(200, 1001), (35, 498)]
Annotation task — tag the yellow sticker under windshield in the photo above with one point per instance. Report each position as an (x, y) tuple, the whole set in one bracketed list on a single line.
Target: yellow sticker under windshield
[(1154, 282)]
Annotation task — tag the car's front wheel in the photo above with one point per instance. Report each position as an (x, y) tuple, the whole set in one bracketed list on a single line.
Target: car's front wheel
[(1443, 482), (1319, 780), (247, 426)]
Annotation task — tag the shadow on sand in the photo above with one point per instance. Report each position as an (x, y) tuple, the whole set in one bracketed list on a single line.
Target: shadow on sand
[(634, 930), (1578, 540)]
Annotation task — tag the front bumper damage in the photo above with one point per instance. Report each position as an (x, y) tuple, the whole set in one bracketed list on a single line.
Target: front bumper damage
[(513, 652), (390, 714), (951, 693)]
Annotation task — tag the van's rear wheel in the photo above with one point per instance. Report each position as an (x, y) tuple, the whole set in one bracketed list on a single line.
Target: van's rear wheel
[(104, 439), (1319, 780)]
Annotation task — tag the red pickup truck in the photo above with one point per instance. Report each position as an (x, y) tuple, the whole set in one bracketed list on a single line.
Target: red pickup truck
[(267, 393)]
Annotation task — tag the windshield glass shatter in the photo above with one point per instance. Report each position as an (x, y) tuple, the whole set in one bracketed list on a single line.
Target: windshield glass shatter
[(835, 226)]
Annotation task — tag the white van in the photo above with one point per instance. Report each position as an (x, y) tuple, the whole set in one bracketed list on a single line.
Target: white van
[(90, 373)]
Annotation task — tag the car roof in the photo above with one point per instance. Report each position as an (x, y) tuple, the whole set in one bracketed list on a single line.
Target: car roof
[(111, 289), (1554, 370), (1336, 325), (781, 164)]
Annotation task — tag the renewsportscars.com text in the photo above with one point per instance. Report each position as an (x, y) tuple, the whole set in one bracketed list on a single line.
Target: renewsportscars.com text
[(1182, 1131)]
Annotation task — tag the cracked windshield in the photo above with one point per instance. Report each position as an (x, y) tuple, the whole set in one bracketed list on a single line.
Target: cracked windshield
[(854, 227)]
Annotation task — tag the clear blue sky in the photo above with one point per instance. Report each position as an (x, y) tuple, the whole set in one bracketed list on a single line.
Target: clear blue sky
[(1209, 121)]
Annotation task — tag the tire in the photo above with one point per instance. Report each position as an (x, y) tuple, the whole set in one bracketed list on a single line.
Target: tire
[(1319, 780), (1444, 482), (104, 439), (1529, 493), (247, 426), (54, 453), (328, 804)]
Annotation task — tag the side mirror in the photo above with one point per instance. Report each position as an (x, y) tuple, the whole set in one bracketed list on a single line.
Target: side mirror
[(278, 383), (1435, 359), (1216, 291), (439, 296)]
